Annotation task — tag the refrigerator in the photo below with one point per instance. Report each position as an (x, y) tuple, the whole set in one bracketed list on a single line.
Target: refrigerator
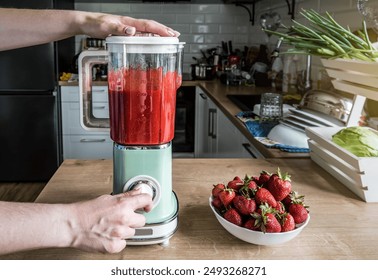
[(30, 137)]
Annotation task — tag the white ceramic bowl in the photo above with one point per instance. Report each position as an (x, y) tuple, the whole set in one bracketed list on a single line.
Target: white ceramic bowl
[(257, 237), (289, 136)]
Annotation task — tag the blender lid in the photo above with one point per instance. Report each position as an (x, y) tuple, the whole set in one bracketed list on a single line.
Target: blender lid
[(141, 40), (143, 44)]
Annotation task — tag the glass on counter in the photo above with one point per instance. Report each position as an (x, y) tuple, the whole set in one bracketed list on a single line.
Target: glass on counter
[(271, 107)]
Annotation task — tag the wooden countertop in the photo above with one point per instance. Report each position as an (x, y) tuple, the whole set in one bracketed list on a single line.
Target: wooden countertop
[(341, 227), (218, 93)]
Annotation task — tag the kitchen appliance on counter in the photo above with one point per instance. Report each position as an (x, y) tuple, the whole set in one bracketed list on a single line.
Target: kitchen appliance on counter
[(29, 115), (144, 73)]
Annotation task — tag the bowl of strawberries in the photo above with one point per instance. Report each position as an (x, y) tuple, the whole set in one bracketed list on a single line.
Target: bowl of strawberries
[(262, 209)]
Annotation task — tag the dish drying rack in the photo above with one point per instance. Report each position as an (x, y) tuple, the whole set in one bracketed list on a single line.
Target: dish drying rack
[(357, 173)]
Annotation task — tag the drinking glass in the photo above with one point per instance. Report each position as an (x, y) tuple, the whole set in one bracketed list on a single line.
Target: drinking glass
[(270, 107)]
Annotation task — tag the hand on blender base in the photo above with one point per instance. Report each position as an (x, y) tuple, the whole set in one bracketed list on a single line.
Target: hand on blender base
[(98, 225), (113, 219)]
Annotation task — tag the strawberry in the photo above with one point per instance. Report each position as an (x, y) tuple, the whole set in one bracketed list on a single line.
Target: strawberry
[(279, 185), (249, 188), (280, 207), (251, 224), (264, 177), (293, 197), (266, 219), (287, 222), (235, 184), (226, 196), (237, 178), (299, 212), (244, 205), (251, 185), (255, 179), (266, 208), (271, 223), (217, 189), (233, 216), (264, 196), (287, 201), (217, 203)]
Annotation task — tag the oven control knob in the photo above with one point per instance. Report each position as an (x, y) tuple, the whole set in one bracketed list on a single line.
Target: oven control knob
[(146, 184)]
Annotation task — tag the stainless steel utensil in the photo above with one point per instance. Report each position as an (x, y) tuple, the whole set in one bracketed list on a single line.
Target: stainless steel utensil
[(304, 82), (328, 103)]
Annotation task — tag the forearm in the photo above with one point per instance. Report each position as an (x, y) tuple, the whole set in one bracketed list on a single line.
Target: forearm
[(26, 27), (31, 226)]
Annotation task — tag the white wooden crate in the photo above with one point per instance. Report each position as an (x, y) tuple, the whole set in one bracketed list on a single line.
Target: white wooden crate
[(356, 77), (359, 174)]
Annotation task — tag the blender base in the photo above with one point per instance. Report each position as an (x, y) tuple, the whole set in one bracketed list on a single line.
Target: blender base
[(156, 233)]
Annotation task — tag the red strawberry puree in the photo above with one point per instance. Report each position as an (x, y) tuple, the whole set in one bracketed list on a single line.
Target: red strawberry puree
[(142, 106)]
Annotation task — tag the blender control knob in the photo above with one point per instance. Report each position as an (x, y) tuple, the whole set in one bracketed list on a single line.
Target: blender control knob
[(145, 187), (146, 184)]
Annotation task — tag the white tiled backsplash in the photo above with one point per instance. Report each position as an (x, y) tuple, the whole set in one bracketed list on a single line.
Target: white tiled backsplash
[(204, 26)]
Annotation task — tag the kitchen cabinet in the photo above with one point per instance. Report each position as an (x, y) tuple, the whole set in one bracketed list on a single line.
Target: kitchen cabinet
[(215, 135), (79, 143)]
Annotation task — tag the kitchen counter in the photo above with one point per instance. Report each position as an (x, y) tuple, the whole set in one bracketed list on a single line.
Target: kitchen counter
[(218, 93), (341, 226)]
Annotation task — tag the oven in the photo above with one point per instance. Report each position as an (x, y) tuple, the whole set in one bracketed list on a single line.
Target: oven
[(183, 141)]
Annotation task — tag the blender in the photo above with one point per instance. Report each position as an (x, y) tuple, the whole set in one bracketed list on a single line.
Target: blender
[(144, 73)]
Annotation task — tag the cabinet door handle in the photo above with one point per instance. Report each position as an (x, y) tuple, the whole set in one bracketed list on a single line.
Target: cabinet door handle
[(203, 96), (214, 116), (247, 146), (211, 124), (98, 90), (84, 140), (99, 107)]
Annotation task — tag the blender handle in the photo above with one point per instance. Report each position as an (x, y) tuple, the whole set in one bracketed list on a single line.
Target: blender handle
[(85, 62)]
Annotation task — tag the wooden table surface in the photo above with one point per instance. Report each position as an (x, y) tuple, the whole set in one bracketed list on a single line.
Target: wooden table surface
[(341, 227)]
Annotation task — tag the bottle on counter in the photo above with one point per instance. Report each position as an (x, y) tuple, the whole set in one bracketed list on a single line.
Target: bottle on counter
[(289, 81), (277, 73)]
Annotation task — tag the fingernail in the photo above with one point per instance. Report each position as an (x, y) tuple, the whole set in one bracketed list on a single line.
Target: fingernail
[(130, 30), (173, 33)]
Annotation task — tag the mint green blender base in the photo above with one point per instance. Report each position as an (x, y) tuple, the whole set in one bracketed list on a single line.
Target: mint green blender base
[(152, 161)]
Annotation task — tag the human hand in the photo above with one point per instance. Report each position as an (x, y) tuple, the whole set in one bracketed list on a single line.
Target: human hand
[(103, 224), (101, 25)]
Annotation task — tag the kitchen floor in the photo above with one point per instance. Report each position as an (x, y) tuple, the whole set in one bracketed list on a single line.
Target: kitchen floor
[(21, 192)]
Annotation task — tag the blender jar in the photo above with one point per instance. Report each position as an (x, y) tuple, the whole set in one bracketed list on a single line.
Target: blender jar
[(144, 74)]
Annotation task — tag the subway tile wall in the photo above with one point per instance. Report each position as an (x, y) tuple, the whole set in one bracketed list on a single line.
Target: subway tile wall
[(204, 26)]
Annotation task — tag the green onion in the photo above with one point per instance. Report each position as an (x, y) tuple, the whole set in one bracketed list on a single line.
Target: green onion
[(325, 37)]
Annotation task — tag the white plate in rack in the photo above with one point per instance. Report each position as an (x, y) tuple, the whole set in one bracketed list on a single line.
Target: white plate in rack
[(293, 125), (313, 116), (300, 123), (305, 121)]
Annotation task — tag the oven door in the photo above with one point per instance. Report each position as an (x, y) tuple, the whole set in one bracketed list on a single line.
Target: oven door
[(183, 141)]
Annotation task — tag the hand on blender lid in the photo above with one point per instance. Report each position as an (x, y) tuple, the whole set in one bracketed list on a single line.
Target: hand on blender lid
[(151, 27)]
